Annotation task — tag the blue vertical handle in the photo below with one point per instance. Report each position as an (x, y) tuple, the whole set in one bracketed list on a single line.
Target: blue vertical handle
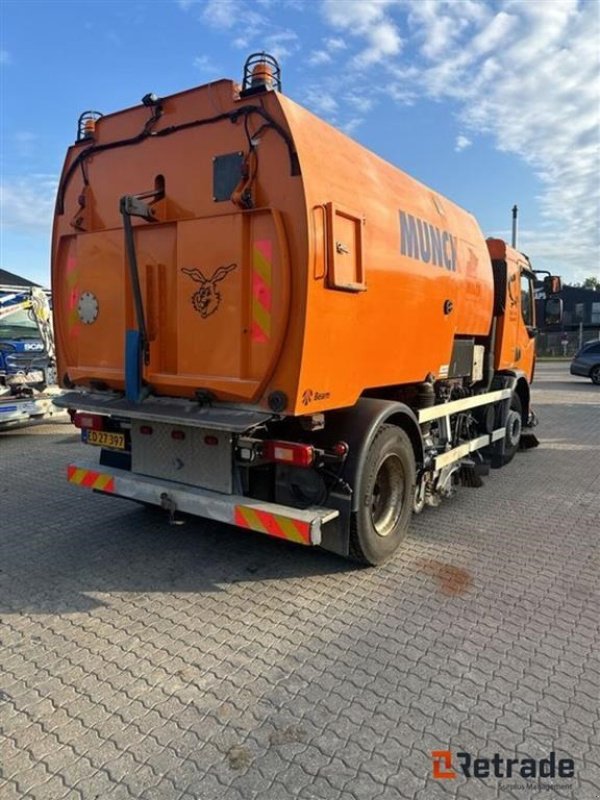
[(133, 366)]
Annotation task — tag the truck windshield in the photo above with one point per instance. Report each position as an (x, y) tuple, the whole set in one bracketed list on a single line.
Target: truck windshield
[(18, 325)]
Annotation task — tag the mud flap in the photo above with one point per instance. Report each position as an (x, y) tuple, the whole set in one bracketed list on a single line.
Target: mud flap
[(528, 441)]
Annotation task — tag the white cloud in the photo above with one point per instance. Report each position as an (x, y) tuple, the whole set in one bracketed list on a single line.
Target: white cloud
[(367, 19), (249, 25), (351, 125), (229, 14), (334, 44), (241, 42), (524, 73), (555, 251), (321, 102), (282, 44), (28, 202), (206, 66), (384, 41), (318, 57), (462, 142)]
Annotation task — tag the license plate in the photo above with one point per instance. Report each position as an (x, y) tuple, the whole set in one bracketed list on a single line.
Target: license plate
[(114, 441)]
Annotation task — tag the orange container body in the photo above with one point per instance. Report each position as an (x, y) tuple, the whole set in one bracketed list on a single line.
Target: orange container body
[(348, 276)]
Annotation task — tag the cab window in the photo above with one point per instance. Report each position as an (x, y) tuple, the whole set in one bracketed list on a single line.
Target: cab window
[(527, 298)]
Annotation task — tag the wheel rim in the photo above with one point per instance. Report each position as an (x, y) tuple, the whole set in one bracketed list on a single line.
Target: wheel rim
[(513, 428), (387, 495), (596, 375)]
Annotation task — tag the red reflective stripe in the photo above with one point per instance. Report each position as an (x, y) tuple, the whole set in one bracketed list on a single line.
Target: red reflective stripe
[(239, 518), (271, 524), (261, 291), (257, 334), (90, 479)]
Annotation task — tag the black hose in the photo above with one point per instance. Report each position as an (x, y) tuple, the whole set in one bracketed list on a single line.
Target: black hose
[(148, 132)]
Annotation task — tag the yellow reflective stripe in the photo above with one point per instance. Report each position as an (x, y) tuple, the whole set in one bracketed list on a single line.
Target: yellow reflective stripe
[(252, 519), (101, 481), (78, 476), (290, 531), (262, 266)]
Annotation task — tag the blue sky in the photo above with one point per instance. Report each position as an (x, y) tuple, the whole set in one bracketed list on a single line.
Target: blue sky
[(490, 103)]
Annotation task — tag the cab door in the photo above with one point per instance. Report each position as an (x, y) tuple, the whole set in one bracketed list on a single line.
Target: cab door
[(526, 328)]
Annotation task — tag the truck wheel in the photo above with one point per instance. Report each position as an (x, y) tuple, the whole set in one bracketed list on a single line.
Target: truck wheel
[(512, 434), (595, 375), (386, 492)]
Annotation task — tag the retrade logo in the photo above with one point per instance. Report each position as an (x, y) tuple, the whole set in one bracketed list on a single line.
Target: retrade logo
[(444, 766)]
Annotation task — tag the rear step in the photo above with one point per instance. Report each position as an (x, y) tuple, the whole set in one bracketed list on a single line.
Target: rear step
[(297, 525)]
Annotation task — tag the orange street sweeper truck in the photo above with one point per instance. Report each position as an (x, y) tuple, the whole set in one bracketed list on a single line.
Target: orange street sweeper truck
[(260, 322)]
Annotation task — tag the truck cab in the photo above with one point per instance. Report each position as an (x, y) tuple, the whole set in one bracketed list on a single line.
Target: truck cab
[(515, 309), (26, 359)]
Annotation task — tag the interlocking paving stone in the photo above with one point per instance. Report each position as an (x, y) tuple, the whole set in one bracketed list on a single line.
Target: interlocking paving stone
[(140, 660)]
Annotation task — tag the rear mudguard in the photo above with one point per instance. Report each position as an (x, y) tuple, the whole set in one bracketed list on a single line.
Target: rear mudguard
[(357, 427)]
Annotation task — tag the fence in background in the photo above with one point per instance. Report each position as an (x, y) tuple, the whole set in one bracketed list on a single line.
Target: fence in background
[(564, 343)]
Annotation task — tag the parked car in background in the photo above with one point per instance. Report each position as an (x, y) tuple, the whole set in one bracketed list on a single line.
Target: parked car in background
[(587, 362)]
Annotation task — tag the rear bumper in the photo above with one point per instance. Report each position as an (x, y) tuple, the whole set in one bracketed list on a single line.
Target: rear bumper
[(297, 525), (14, 410)]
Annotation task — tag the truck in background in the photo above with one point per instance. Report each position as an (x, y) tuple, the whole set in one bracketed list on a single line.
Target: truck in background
[(27, 356), (261, 322)]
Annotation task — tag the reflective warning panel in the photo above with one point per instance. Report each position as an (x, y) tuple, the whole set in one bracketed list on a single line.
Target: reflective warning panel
[(90, 479), (272, 524)]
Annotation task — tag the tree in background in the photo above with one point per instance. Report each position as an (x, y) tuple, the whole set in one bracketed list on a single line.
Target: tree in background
[(589, 283)]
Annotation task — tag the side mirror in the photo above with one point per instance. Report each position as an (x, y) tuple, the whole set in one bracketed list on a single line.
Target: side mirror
[(553, 310), (552, 284)]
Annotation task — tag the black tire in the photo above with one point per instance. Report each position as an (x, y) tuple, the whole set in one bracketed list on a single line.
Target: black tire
[(595, 374), (512, 435), (514, 426), (386, 491)]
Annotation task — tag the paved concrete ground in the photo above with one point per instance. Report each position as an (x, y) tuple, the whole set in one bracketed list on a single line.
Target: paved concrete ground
[(157, 663)]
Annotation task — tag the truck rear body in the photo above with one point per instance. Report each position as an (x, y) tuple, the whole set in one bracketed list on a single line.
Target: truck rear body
[(244, 303)]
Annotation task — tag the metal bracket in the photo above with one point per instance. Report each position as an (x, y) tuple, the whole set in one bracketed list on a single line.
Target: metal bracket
[(133, 206)]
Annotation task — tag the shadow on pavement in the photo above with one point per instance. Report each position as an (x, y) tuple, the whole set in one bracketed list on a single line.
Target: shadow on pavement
[(123, 548)]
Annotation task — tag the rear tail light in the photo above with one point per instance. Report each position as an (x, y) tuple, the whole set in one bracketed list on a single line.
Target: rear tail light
[(146, 430), (91, 422), (299, 455)]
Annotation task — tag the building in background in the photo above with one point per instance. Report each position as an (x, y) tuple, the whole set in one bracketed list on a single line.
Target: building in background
[(580, 323), (15, 281)]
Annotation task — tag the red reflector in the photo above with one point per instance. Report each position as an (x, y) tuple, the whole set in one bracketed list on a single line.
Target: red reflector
[(340, 449), (211, 440), (178, 435), (146, 430), (93, 422), (300, 455)]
